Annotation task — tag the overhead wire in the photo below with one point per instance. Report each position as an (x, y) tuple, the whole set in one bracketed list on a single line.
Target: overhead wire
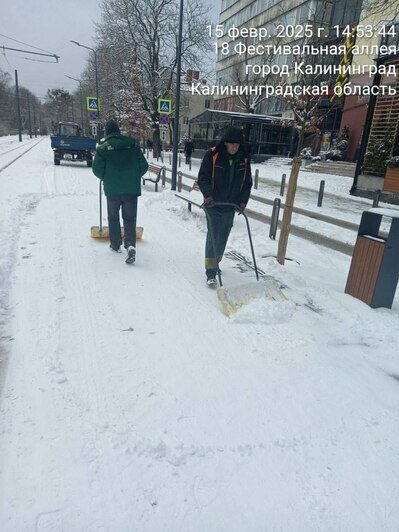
[(6, 58), (26, 44), (37, 60)]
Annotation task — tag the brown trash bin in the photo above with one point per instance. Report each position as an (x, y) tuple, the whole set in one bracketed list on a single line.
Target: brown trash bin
[(374, 270)]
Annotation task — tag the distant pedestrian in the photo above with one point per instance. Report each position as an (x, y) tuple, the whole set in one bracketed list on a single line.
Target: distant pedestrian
[(120, 163), (224, 176), (188, 150)]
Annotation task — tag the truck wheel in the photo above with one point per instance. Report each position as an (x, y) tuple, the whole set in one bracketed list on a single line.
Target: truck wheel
[(57, 161), (89, 163)]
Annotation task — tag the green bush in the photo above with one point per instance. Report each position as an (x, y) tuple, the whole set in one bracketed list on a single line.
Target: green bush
[(377, 154), (393, 162)]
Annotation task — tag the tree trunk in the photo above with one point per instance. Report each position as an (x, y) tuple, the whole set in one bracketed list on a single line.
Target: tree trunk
[(300, 140), (156, 143), (288, 207)]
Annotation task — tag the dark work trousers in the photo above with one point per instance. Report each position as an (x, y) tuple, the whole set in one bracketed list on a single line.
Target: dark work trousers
[(128, 202), (222, 222)]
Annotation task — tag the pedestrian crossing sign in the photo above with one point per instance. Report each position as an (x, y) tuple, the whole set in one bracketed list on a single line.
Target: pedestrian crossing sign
[(92, 104), (164, 106)]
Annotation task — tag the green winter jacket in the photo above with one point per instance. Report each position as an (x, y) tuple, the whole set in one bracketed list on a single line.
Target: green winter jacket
[(120, 163)]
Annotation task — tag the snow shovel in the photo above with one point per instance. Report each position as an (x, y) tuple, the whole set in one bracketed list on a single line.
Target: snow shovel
[(233, 298), (98, 231)]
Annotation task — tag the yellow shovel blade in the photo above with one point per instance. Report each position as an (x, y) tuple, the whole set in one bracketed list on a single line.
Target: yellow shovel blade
[(96, 233), (233, 298)]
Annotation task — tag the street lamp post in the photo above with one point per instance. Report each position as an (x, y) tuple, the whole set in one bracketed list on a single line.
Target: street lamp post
[(81, 99), (96, 75), (177, 101)]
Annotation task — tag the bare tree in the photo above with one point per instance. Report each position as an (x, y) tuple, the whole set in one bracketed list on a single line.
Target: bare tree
[(7, 105), (59, 104), (249, 102), (129, 108), (144, 32), (384, 9), (308, 109)]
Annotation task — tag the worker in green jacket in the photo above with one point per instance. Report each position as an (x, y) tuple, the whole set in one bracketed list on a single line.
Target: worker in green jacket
[(120, 163)]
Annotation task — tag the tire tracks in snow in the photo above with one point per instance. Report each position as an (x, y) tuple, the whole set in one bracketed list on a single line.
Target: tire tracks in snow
[(61, 372), (10, 234), (64, 182), (95, 414), (35, 353)]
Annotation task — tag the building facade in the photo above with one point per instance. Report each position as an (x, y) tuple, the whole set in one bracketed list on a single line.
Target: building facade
[(267, 135), (272, 14), (355, 109), (380, 139)]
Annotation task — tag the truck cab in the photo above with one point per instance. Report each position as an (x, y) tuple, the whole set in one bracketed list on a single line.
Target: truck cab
[(69, 144), (69, 129)]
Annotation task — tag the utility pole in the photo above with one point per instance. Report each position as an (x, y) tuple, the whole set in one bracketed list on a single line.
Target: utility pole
[(96, 74), (98, 101), (177, 101), (54, 56), (29, 119), (81, 99), (18, 107), (34, 121)]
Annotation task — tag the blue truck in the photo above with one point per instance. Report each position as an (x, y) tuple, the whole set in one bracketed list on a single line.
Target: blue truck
[(68, 144)]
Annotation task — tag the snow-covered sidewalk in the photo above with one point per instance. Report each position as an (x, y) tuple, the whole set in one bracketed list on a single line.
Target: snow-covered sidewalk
[(129, 402), (337, 202)]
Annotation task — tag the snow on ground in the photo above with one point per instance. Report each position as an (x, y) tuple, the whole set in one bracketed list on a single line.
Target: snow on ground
[(130, 402), (335, 184), (11, 148), (337, 202)]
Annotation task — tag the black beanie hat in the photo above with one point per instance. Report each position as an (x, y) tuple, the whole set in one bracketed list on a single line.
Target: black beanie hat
[(111, 127), (234, 135)]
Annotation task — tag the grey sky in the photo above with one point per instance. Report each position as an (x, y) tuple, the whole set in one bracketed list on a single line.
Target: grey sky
[(49, 25)]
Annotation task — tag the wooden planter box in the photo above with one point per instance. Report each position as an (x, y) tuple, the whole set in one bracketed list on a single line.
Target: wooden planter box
[(391, 181)]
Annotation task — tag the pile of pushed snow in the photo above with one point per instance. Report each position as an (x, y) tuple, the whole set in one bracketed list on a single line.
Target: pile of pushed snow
[(265, 311)]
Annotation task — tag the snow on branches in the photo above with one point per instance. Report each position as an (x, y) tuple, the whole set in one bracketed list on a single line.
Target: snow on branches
[(133, 118)]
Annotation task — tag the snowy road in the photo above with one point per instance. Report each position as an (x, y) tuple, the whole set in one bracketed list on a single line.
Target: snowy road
[(129, 402)]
